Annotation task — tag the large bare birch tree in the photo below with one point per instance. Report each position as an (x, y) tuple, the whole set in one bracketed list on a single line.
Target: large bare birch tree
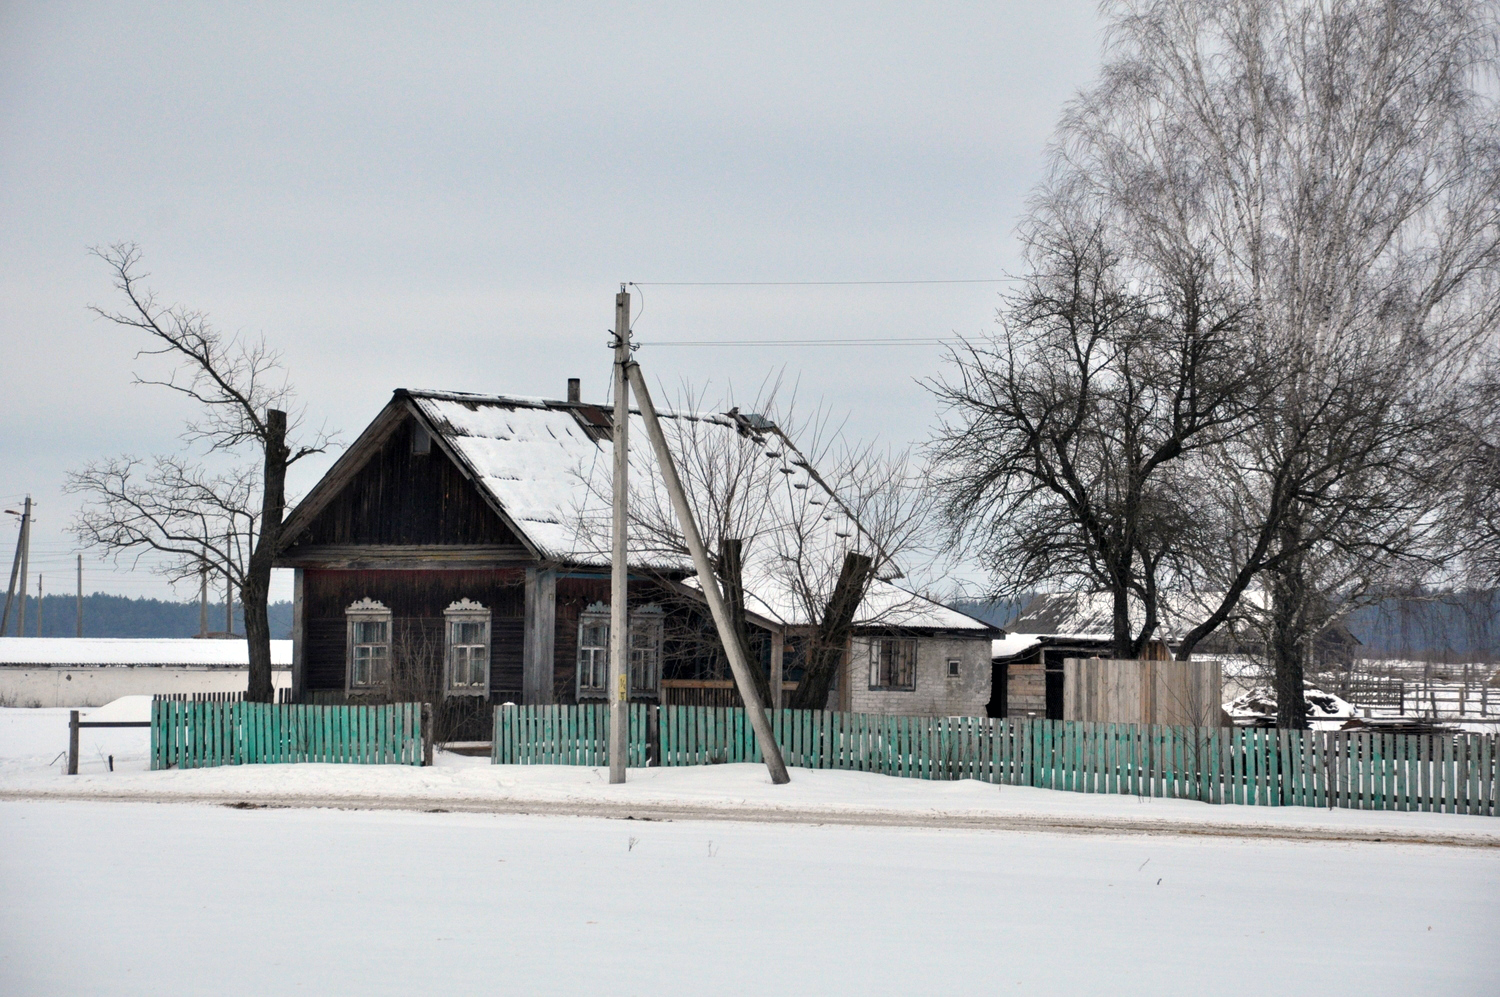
[(1335, 165)]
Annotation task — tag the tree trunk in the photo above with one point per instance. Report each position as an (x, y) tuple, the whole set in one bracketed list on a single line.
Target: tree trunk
[(1288, 599), (257, 586), (827, 652), (731, 572), (1124, 639)]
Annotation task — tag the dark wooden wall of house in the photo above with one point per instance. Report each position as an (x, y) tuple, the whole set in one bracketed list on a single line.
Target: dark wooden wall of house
[(399, 497), (575, 593), (416, 599)]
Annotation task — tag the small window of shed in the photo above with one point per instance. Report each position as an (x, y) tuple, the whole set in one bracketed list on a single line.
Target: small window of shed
[(421, 440)]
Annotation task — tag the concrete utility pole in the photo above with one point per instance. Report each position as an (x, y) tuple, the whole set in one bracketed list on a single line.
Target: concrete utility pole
[(203, 601), (619, 573), (80, 595), (38, 603), (25, 563), (228, 604), (15, 566), (769, 749)]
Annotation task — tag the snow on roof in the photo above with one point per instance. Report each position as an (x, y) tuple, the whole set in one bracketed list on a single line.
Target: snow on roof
[(1013, 644), (884, 604), (543, 468), (1090, 615), (551, 474), (92, 651)]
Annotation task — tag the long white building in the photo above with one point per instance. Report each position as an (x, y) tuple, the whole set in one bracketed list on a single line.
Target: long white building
[(92, 671)]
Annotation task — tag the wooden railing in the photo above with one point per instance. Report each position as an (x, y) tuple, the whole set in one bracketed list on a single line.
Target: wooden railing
[(706, 692)]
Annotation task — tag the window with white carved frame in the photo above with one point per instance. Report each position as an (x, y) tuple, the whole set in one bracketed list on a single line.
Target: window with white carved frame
[(467, 648), (645, 651), (893, 663), (593, 651), (369, 642)]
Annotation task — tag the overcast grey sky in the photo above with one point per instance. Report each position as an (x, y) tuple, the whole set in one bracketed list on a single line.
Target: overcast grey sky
[(447, 195)]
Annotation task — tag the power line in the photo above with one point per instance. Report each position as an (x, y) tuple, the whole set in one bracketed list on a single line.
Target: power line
[(872, 341), (809, 283)]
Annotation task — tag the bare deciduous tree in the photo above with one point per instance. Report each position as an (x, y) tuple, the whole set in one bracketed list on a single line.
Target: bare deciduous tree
[(1072, 438), (1337, 167), (173, 506)]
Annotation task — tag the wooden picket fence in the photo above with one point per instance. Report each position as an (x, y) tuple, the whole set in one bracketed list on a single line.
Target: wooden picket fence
[(1452, 773), (202, 734), (567, 735)]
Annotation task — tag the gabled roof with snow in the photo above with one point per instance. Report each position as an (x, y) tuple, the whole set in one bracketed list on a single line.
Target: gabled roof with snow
[(546, 466), (135, 651)]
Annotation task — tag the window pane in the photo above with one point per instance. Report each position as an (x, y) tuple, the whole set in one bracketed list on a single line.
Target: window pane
[(468, 632), (370, 631), (595, 635)]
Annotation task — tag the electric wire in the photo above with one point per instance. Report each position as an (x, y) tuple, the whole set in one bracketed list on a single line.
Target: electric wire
[(862, 341), (808, 283)]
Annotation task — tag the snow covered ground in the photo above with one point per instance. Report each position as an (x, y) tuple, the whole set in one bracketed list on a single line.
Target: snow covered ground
[(108, 897), (112, 898)]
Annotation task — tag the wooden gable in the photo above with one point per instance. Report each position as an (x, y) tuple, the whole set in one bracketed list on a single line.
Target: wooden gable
[(407, 491)]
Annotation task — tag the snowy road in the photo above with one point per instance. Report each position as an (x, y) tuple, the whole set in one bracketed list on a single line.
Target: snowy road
[(126, 898), (748, 812)]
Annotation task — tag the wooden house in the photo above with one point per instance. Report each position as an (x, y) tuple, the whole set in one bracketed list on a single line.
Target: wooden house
[(459, 550)]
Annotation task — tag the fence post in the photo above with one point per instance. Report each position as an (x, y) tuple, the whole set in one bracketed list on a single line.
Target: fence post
[(73, 742), (427, 734)]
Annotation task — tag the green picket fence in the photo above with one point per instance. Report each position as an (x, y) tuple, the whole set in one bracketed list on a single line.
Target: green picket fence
[(199, 735), (1452, 773), (566, 735)]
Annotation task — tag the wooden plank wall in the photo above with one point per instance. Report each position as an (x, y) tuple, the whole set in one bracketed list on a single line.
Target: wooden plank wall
[(1451, 773), (1112, 690), (400, 497), (201, 735), (416, 599)]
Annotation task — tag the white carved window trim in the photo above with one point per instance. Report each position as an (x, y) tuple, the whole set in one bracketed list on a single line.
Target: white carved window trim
[(593, 651), (466, 652), (893, 664), (646, 627), (367, 665)]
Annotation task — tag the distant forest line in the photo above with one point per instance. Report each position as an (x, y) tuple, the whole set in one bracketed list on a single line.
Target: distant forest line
[(1463, 624), (121, 616), (1436, 627)]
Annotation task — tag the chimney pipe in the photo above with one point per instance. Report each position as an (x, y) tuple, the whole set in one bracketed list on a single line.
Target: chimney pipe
[(574, 392)]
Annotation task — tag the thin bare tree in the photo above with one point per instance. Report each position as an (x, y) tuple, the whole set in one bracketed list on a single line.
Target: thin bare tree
[(191, 517), (791, 514)]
